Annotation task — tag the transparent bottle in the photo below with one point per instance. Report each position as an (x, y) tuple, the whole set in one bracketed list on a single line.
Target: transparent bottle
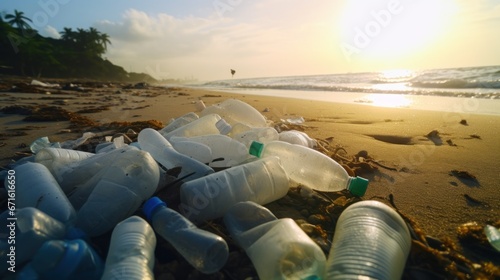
[(203, 126), (493, 236), (297, 137), (179, 122), (120, 190), (371, 241), (246, 134), (36, 187), (32, 228), (311, 168), (236, 111), (57, 158), (278, 248), (73, 259), (209, 197), (163, 152), (192, 149), (131, 251), (205, 251)]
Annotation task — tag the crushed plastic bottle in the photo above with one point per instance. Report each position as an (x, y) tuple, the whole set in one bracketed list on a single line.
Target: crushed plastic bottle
[(236, 111)]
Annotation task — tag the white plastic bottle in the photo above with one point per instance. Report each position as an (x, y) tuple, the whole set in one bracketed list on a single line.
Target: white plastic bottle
[(192, 149), (310, 167), (278, 248), (178, 122), (205, 251), (57, 158), (297, 137), (261, 181), (119, 191), (226, 152), (371, 241), (246, 134), (131, 251), (71, 260), (163, 152), (36, 187), (202, 126), (32, 228), (236, 111)]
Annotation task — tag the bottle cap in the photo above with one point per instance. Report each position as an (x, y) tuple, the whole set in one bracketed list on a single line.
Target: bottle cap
[(256, 148), (151, 204), (358, 185), (71, 259), (223, 126)]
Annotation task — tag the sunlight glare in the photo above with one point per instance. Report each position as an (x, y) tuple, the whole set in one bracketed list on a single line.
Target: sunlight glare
[(389, 100)]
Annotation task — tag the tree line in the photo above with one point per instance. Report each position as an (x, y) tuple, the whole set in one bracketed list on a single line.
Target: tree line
[(76, 54)]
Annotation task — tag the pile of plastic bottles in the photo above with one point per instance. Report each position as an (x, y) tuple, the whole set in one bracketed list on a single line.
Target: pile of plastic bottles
[(232, 162)]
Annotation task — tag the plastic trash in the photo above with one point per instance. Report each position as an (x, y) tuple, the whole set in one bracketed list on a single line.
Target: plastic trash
[(493, 236), (32, 228), (43, 142), (202, 126), (42, 84), (278, 248), (192, 149), (297, 137), (116, 191), (72, 260), (36, 187), (73, 144), (310, 167), (131, 251), (236, 111), (57, 159), (205, 251), (163, 152), (178, 122), (371, 241), (246, 134), (226, 152), (118, 142), (209, 197)]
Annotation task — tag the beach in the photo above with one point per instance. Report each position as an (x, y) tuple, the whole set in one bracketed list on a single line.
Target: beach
[(436, 167)]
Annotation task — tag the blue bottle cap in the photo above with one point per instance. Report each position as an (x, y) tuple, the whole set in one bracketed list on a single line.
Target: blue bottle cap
[(256, 149), (73, 255), (150, 205)]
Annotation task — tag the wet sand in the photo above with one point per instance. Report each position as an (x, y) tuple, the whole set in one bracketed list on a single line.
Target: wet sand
[(437, 167)]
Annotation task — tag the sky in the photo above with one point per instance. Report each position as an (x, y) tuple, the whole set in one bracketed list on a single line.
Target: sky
[(204, 39)]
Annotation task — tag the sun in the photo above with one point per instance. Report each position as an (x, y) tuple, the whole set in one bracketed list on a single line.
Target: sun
[(393, 28)]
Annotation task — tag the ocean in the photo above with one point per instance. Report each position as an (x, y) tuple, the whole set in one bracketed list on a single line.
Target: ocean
[(467, 89)]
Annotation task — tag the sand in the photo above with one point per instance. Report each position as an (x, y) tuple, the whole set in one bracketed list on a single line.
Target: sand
[(421, 167)]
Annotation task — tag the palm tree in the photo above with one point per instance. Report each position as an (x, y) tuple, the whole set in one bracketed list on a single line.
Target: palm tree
[(18, 20)]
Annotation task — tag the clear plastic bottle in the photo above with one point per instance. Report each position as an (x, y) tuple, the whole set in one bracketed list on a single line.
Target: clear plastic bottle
[(179, 122), (246, 134), (57, 158), (32, 228), (226, 152), (131, 251), (205, 251), (310, 167), (73, 259), (493, 236), (192, 149), (261, 181), (203, 126), (236, 111), (163, 152), (278, 248), (371, 241), (116, 191), (36, 187), (297, 137)]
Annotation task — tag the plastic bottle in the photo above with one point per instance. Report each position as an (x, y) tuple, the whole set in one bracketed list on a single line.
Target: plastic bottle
[(261, 181), (178, 122), (56, 159), (32, 228), (226, 152), (73, 259), (205, 251), (119, 191), (493, 236), (310, 167), (278, 248), (163, 152), (246, 134), (36, 187), (192, 149), (371, 241), (131, 251), (297, 137), (236, 111), (202, 126)]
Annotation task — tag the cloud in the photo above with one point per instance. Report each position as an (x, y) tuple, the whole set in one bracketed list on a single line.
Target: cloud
[(51, 32)]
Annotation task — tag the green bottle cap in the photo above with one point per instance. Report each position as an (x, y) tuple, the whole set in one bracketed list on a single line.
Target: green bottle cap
[(358, 185), (256, 149)]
